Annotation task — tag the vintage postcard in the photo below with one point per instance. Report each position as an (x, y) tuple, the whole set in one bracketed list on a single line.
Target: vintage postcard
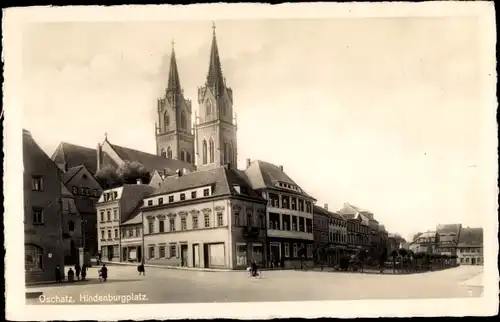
[(250, 161)]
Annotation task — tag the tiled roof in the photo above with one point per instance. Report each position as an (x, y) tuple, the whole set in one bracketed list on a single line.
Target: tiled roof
[(74, 155), (135, 216), (449, 228), (263, 175), (151, 161), (221, 179), (348, 216), (320, 211), (68, 175), (471, 236), (85, 204), (132, 196)]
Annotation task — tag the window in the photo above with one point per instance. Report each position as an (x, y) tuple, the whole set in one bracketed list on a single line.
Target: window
[(294, 223), (236, 218), (166, 120), (150, 202), (170, 198), (161, 251), (183, 120), (309, 250), (220, 219), (75, 190), (294, 250), (188, 157), (162, 226), (249, 220), (204, 152), (262, 222), (206, 192), (36, 183), (308, 207), (71, 225), (294, 204), (37, 216), (109, 234), (212, 153), (209, 108), (287, 250), (183, 196), (116, 233), (285, 202), (172, 224), (169, 153), (193, 195), (183, 223), (151, 226), (131, 232), (160, 201), (195, 222), (301, 205), (207, 220), (151, 252), (275, 201), (33, 257), (137, 231), (309, 226), (173, 250), (109, 215), (301, 224), (102, 235), (115, 214)]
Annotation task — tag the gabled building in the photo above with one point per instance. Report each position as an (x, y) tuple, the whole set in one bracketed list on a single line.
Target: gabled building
[(321, 219), (43, 231), (337, 238), (68, 155), (86, 190), (211, 218), (71, 226), (448, 237), (116, 206), (289, 215), (470, 246), (131, 243), (426, 242)]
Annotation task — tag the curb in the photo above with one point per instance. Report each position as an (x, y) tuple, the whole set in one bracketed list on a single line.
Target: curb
[(55, 283)]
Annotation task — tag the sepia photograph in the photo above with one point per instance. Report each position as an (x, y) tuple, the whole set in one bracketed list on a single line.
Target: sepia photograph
[(250, 162)]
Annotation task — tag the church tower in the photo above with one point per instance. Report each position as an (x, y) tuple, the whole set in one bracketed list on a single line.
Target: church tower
[(215, 127), (174, 137)]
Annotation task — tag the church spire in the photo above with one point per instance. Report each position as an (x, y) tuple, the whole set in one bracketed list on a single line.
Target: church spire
[(215, 80), (174, 84)]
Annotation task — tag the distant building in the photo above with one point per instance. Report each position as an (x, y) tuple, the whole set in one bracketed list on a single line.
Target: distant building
[(426, 242), (71, 227), (470, 246), (358, 228), (210, 218), (321, 219), (43, 233), (115, 206), (289, 216), (337, 238), (448, 236), (131, 237)]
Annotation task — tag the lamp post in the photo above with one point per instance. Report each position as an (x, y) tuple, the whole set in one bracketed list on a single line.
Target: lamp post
[(81, 249)]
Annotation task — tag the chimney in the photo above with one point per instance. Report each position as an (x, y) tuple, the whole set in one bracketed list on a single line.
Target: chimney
[(99, 156), (248, 163), (281, 168), (326, 206), (139, 181)]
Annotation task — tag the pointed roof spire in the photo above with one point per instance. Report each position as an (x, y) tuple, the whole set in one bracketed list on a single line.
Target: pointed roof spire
[(174, 84), (215, 79)]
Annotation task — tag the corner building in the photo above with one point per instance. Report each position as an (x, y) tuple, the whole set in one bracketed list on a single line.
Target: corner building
[(209, 219), (289, 215)]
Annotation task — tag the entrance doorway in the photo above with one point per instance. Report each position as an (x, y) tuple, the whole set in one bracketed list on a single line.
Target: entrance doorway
[(139, 254), (275, 254), (473, 261), (110, 253), (184, 255), (196, 255)]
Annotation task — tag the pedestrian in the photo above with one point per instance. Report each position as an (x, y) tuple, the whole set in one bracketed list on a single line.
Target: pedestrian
[(99, 256), (104, 272), (58, 274), (84, 271), (71, 275), (77, 271), (141, 269)]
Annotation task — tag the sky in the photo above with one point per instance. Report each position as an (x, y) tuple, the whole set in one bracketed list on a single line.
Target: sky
[(387, 114)]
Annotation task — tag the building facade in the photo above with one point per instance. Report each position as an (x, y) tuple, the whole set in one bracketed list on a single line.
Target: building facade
[(131, 243), (86, 191), (337, 238), (426, 242), (289, 215), (43, 232), (115, 206), (470, 246), (210, 219), (321, 219), (71, 227)]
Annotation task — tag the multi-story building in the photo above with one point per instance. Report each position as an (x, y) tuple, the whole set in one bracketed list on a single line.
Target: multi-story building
[(86, 191), (43, 233), (131, 243), (210, 218), (337, 238), (289, 215), (357, 234), (426, 242), (448, 236), (114, 207), (71, 227), (470, 246), (321, 219)]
